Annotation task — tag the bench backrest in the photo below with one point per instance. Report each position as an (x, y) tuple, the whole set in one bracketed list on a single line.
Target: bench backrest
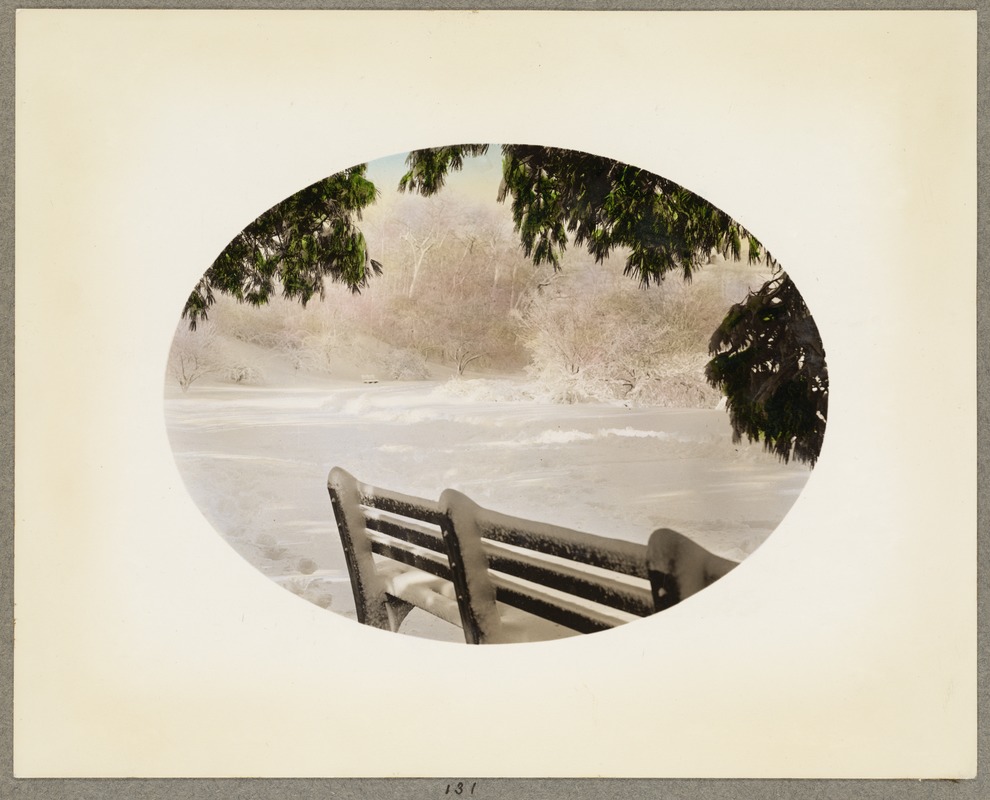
[(583, 582), (468, 564)]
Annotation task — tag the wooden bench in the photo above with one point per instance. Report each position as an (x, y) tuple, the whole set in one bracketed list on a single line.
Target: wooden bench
[(503, 578)]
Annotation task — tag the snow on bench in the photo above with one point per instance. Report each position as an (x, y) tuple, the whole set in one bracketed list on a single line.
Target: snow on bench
[(503, 578), (369, 379), (412, 569)]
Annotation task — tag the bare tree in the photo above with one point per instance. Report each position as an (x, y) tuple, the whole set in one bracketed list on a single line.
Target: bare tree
[(193, 355), (426, 235)]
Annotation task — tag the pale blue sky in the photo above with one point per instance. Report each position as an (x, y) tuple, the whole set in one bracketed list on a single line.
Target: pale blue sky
[(479, 180)]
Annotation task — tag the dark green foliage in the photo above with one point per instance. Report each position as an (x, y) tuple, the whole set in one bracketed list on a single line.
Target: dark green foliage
[(428, 168), (602, 203), (294, 246), (768, 358)]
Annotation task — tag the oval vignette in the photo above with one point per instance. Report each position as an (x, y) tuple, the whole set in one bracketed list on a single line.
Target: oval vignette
[(549, 393)]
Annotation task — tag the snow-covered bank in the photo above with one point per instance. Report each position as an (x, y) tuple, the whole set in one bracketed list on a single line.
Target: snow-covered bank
[(255, 460)]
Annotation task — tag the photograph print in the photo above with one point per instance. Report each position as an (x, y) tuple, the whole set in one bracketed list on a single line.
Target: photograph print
[(348, 340), (495, 393)]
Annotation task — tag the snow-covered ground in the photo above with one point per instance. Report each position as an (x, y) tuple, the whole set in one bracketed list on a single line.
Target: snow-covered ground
[(255, 460)]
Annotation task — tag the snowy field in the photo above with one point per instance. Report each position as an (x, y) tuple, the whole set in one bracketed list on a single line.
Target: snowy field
[(255, 460)]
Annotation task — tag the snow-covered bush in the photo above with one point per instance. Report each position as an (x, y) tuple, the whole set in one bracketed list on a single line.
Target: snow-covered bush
[(483, 390), (404, 365), (193, 354), (244, 374), (305, 338), (608, 340)]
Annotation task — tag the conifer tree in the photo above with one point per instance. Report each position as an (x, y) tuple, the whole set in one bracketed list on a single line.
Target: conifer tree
[(294, 247), (768, 359)]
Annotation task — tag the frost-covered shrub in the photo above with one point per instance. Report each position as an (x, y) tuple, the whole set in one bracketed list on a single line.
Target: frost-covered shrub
[(683, 390), (612, 341), (561, 385), (244, 374), (404, 365), (484, 390), (306, 338), (194, 354)]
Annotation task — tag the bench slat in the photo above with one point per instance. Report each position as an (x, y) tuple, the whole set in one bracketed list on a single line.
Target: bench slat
[(419, 558), (583, 619), (628, 558), (403, 505), (603, 589), (406, 531)]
